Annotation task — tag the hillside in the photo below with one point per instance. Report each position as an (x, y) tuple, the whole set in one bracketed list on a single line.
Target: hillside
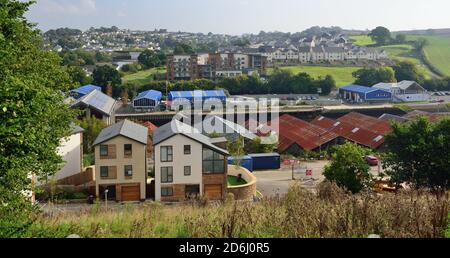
[(342, 75), (143, 77)]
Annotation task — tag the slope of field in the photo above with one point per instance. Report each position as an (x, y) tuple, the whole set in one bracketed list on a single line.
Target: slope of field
[(362, 40), (143, 77), (342, 75), (438, 53)]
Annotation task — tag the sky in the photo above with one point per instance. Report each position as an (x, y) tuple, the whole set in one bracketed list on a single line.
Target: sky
[(236, 17)]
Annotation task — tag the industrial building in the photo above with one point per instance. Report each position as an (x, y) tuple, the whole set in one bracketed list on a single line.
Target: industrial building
[(177, 98), (147, 100), (361, 94)]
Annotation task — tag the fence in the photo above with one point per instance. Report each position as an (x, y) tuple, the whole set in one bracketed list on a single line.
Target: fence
[(78, 179)]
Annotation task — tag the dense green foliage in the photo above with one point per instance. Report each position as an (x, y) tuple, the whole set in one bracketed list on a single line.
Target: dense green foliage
[(151, 59), (81, 57), (408, 71), (348, 168), (92, 127), (78, 76), (419, 153), (105, 74), (372, 76), (381, 35), (33, 116)]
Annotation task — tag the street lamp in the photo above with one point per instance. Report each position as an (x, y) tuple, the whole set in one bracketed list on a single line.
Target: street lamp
[(106, 198)]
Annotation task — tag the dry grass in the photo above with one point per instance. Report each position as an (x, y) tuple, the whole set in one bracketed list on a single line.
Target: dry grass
[(330, 213)]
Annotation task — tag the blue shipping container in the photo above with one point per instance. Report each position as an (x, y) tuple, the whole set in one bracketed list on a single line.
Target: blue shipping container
[(266, 161), (245, 161)]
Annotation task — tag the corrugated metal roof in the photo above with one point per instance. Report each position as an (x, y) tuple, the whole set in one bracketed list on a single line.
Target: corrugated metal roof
[(367, 122), (223, 126), (176, 127), (124, 128), (358, 89), (306, 135), (390, 117), (83, 90), (98, 100), (150, 94)]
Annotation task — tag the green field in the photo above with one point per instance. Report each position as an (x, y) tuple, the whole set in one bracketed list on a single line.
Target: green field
[(143, 77), (406, 52), (362, 40), (437, 52), (342, 75)]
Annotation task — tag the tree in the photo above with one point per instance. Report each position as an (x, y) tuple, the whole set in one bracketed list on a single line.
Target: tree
[(418, 153), (400, 38), (102, 75), (408, 71), (372, 76), (236, 149), (92, 127), (183, 49), (257, 146), (421, 43), (149, 58), (381, 35), (348, 168), (78, 76), (326, 85), (33, 117)]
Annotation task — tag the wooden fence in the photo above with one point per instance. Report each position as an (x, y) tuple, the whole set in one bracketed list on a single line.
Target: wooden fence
[(79, 179)]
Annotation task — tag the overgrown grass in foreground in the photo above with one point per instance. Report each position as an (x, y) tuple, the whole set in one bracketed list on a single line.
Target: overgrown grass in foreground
[(330, 213)]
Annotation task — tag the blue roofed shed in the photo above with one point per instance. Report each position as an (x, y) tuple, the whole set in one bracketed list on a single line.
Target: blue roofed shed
[(147, 99), (84, 90), (198, 94), (358, 93)]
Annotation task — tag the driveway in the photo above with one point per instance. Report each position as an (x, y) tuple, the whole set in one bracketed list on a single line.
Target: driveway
[(273, 182)]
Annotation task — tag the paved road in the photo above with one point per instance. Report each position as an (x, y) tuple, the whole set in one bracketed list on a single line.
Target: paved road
[(273, 182)]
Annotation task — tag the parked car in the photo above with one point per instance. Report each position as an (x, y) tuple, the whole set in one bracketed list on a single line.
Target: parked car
[(371, 160)]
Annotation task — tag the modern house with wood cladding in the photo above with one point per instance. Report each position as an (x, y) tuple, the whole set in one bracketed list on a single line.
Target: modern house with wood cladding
[(187, 164), (120, 162)]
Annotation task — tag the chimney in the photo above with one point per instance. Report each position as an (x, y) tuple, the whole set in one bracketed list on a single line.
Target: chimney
[(125, 97), (109, 90)]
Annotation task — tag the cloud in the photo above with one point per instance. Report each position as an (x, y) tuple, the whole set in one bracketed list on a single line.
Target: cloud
[(67, 7)]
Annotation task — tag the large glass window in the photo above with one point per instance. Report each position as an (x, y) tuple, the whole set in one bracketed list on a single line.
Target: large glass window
[(166, 175), (166, 154), (213, 162)]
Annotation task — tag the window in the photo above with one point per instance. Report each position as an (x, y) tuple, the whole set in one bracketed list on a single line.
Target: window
[(187, 149), (128, 149), (166, 175), (166, 154), (128, 170), (187, 170), (213, 162), (103, 150), (166, 191), (103, 171)]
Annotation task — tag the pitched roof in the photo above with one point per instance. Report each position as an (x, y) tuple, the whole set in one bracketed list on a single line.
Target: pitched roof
[(306, 135), (403, 85), (367, 122), (197, 94), (150, 94), (124, 128), (75, 129), (83, 90), (97, 100), (390, 117), (176, 127), (223, 126)]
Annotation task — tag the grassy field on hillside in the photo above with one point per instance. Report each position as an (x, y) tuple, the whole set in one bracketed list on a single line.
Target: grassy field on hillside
[(342, 75), (300, 214), (143, 77), (362, 40), (405, 52), (438, 51)]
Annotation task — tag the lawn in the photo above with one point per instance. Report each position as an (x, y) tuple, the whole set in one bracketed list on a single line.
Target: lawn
[(362, 40), (342, 75), (233, 181), (438, 51), (143, 77)]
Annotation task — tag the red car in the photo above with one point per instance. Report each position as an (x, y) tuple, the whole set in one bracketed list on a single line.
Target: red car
[(371, 160)]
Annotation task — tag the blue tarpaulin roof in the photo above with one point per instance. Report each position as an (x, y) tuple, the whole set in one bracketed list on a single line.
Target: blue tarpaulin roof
[(220, 94), (150, 94), (83, 90)]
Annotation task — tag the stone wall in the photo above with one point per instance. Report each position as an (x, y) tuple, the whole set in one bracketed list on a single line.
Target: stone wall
[(242, 192)]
